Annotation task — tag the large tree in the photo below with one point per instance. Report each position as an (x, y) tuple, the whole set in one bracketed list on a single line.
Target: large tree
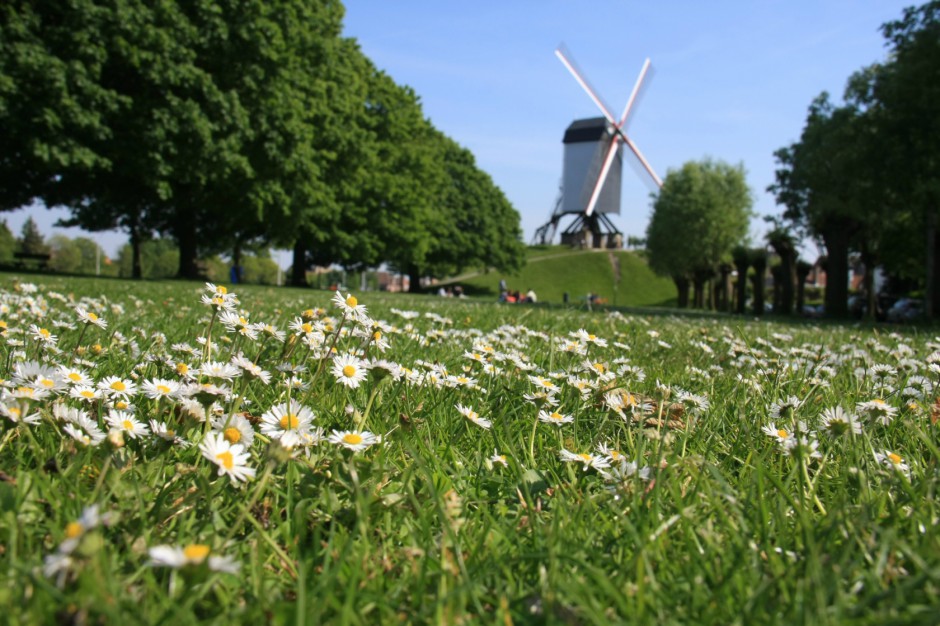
[(700, 214)]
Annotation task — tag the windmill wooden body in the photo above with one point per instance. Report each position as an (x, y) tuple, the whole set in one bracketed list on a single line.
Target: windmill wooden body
[(593, 162)]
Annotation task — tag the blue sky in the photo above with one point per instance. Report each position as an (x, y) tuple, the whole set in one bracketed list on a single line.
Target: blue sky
[(732, 80)]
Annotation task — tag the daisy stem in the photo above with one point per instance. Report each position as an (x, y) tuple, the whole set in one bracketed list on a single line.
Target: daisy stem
[(246, 509), (9, 434), (372, 395), (207, 351), (535, 424), (79, 342), (329, 353), (104, 471)]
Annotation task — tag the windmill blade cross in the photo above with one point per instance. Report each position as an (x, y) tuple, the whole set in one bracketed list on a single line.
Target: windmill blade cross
[(618, 126)]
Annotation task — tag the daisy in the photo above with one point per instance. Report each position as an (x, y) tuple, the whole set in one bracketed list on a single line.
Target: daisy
[(90, 318), (42, 335), (588, 460), (219, 298), (782, 435), (877, 410), (217, 369), (235, 428), (230, 458), (127, 423), (286, 420), (18, 413), (350, 306), (117, 386), (836, 421), (74, 531), (614, 456), (85, 431), (84, 392), (194, 554), (251, 369), (802, 447), (164, 432), (157, 388), (586, 337), (74, 376), (544, 384), (497, 459), (786, 408), (893, 461), (473, 416), (350, 370), (554, 418), (355, 441)]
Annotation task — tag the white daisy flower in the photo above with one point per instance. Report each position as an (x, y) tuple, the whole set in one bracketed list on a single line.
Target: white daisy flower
[(157, 388), (90, 318), (355, 441), (588, 460), (350, 306), (893, 461), (350, 370), (286, 419), (230, 458), (127, 423), (117, 386), (554, 418), (194, 554), (473, 416), (235, 428)]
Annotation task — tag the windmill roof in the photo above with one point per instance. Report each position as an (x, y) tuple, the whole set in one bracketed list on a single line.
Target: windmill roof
[(590, 129)]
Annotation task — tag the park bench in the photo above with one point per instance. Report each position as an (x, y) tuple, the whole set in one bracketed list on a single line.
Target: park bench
[(39, 260)]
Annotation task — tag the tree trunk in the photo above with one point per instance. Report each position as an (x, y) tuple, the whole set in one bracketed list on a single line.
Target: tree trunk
[(298, 270), (757, 283), (682, 286), (802, 271), (698, 292), (186, 239), (723, 291), (742, 287), (776, 273), (837, 272), (932, 297), (137, 269), (414, 279)]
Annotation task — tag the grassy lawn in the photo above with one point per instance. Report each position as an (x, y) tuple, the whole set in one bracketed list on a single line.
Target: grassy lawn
[(176, 453), (552, 271)]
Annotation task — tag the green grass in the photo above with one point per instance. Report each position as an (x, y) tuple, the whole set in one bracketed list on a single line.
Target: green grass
[(552, 271), (717, 523)]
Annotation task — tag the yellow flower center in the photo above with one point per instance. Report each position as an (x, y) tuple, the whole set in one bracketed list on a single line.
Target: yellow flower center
[(196, 552), (128, 425), (782, 433), (14, 410), (377, 335), (45, 333), (352, 302), (614, 454), (74, 529), (232, 434), (45, 382), (306, 327), (586, 457), (120, 405), (87, 393), (218, 300), (878, 401), (628, 399), (592, 337), (182, 368), (599, 367), (352, 439), (894, 458), (163, 389), (349, 371), (557, 416), (242, 321), (118, 385), (93, 317), (97, 348), (226, 458), (74, 377), (289, 422), (3, 324), (222, 290), (26, 391)]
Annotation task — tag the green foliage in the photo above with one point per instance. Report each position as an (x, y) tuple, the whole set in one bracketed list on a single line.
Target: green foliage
[(699, 215), (159, 259), (31, 240), (7, 243)]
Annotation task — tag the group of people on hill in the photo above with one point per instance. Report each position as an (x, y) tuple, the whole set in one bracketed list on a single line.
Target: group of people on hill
[(513, 297)]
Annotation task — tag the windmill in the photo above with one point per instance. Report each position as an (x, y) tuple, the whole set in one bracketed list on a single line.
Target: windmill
[(593, 161)]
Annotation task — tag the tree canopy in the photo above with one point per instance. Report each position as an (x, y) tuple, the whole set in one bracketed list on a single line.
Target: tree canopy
[(225, 124)]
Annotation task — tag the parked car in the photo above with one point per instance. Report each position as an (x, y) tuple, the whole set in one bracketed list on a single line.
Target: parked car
[(905, 310)]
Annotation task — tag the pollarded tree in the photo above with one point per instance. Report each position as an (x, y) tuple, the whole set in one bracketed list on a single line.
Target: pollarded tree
[(700, 214)]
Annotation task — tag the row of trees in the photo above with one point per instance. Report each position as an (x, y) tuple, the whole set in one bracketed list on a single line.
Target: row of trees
[(229, 124), (864, 175)]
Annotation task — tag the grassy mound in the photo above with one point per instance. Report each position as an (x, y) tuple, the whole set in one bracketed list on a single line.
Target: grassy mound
[(552, 271)]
